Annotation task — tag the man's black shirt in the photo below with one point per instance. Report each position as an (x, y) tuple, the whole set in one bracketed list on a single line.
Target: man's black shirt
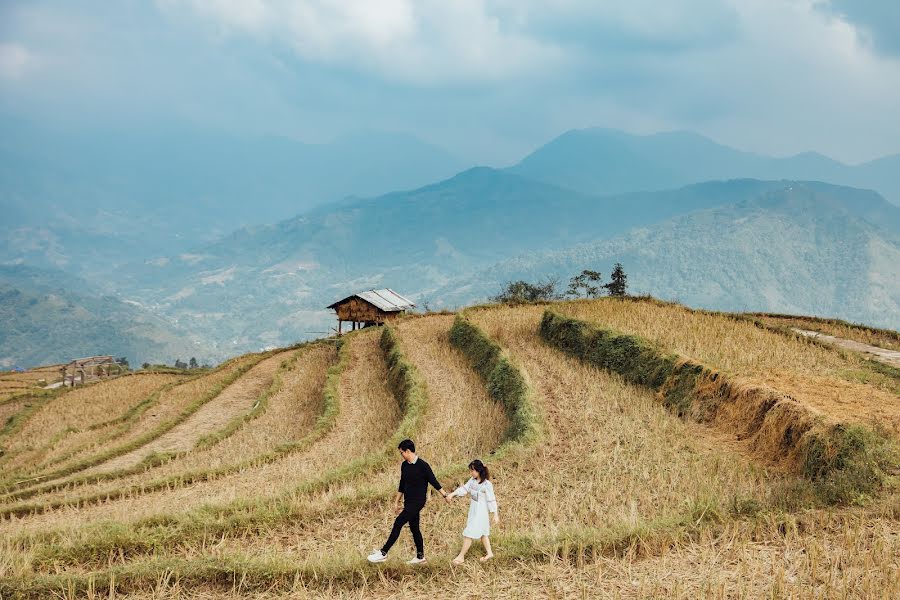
[(414, 480)]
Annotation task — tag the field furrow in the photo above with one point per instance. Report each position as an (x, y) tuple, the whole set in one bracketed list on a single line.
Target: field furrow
[(235, 400), (460, 423), (810, 373), (170, 405), (71, 414), (290, 413), (606, 487), (368, 415), (614, 458)]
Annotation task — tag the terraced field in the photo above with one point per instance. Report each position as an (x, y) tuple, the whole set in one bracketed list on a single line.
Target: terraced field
[(625, 461)]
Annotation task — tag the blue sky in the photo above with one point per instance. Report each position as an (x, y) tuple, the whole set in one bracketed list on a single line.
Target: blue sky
[(489, 80)]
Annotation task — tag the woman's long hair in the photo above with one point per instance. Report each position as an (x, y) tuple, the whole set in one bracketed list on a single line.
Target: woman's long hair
[(481, 469)]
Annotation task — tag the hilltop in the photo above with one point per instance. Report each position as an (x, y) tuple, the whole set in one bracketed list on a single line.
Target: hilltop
[(628, 439)]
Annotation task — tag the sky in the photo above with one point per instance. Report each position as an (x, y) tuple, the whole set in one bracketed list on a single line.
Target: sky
[(489, 80)]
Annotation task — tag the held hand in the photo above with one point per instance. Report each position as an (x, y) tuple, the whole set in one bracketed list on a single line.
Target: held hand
[(496, 518), (398, 510)]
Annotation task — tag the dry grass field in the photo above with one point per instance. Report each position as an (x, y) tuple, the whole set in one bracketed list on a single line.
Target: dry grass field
[(292, 410), (882, 338), (807, 371), (613, 497), (63, 422)]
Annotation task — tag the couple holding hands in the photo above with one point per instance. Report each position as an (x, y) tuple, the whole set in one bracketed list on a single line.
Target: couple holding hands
[(415, 476)]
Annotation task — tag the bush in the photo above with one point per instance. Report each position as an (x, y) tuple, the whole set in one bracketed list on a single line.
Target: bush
[(505, 382), (522, 292)]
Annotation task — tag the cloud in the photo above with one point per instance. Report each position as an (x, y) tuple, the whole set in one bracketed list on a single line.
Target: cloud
[(14, 60), (412, 41), (877, 21), (488, 79)]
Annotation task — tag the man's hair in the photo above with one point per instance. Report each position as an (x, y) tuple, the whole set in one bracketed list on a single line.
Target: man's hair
[(407, 445)]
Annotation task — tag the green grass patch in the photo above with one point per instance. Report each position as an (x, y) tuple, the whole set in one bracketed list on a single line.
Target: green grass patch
[(506, 383)]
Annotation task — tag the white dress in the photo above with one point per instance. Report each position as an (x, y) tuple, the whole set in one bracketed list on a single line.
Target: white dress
[(482, 502)]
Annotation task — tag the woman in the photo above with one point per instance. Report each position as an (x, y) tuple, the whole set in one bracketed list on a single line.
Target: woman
[(482, 502)]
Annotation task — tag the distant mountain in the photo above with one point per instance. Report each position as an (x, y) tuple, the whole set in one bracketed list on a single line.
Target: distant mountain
[(73, 196), (45, 322), (607, 161), (801, 250), (269, 285)]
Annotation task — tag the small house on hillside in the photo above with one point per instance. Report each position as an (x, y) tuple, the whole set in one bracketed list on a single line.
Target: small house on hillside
[(374, 307), (86, 369)]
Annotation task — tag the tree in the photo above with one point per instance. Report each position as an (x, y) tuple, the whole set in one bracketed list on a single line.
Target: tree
[(618, 282), (589, 281), (521, 292), (179, 364), (193, 363), (146, 365), (122, 361)]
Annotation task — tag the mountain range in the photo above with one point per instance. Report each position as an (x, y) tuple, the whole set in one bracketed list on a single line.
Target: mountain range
[(690, 219), (607, 161), (731, 244), (109, 197)]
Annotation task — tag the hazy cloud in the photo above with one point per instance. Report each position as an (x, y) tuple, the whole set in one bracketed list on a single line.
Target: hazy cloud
[(14, 59), (414, 41), (489, 79), (878, 21)]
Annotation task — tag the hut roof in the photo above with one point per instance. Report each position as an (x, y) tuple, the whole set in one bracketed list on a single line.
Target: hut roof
[(387, 300)]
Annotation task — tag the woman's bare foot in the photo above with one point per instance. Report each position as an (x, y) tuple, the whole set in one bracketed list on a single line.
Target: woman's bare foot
[(486, 557), (458, 560)]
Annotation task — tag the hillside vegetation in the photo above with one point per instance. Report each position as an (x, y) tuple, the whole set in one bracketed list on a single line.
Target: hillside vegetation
[(638, 449), (801, 247), (49, 316)]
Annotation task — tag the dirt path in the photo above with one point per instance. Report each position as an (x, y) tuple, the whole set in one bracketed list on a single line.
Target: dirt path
[(888, 357), (236, 399)]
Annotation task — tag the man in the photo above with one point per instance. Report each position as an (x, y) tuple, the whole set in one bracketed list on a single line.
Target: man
[(415, 475)]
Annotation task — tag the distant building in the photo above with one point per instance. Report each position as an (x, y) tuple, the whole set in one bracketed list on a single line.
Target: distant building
[(374, 307), (82, 370)]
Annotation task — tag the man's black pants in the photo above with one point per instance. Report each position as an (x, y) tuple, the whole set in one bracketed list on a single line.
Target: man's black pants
[(408, 515)]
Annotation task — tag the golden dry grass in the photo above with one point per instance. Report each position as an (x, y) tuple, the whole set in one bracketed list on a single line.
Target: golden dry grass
[(613, 455), (47, 374), (234, 400), (819, 555), (290, 414), (368, 415), (612, 460), (13, 386), (170, 403), (805, 370), (889, 340), (71, 413), (460, 423), (9, 408)]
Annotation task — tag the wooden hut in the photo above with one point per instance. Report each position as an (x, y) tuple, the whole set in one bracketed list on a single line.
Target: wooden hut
[(89, 368), (374, 307)]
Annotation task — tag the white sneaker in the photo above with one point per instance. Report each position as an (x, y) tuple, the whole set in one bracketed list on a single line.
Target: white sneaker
[(376, 557), (415, 561)]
